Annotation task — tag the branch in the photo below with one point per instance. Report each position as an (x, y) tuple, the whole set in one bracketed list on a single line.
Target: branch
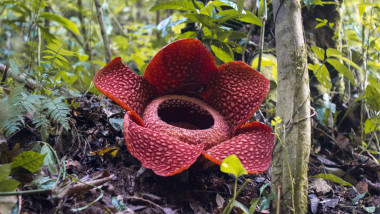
[(7, 71), (103, 30)]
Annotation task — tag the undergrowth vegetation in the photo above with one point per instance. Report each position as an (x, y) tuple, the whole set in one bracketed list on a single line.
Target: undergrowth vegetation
[(50, 51)]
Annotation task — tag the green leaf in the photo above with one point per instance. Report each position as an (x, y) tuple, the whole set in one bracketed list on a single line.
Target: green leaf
[(8, 185), (229, 12), (49, 158), (349, 62), (253, 203), (333, 178), (370, 125), (200, 18), (223, 51), (241, 206), (262, 188), (186, 35), (119, 204), (357, 198), (83, 57), (174, 5), (237, 35), (61, 20), (333, 52), (372, 94), (319, 25), (342, 69), (5, 170), (369, 209), (250, 18), (232, 165), (207, 10), (319, 52), (322, 75), (260, 12), (265, 203), (31, 161)]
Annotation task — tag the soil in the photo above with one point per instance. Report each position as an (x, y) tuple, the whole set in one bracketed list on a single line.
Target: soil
[(90, 155)]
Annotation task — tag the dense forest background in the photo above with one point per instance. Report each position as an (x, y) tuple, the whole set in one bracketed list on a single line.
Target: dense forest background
[(61, 144)]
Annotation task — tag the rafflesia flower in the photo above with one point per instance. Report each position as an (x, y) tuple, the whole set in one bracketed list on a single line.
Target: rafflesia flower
[(185, 106)]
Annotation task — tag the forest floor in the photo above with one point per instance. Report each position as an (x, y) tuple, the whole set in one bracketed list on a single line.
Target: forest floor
[(131, 189)]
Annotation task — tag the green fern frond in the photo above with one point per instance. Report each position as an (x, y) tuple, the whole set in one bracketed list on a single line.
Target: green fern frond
[(41, 109), (55, 54), (58, 112)]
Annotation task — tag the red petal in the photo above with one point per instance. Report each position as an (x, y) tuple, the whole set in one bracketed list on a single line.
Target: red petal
[(237, 91), (253, 145), (163, 154), (119, 83), (182, 64)]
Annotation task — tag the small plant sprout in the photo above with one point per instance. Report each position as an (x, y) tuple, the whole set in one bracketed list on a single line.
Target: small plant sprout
[(232, 165)]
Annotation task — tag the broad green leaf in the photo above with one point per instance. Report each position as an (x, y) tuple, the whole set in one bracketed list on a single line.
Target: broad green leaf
[(266, 201), (333, 52), (369, 209), (229, 12), (250, 18), (342, 69), (319, 25), (370, 125), (207, 10), (357, 198), (237, 35), (82, 57), (241, 206), (49, 158), (254, 202), (222, 34), (267, 60), (8, 185), (61, 20), (45, 183), (262, 188), (31, 161), (223, 51), (319, 52), (174, 5), (200, 18), (5, 169), (232, 165), (323, 76), (349, 62), (372, 94), (186, 35), (98, 62), (333, 178)]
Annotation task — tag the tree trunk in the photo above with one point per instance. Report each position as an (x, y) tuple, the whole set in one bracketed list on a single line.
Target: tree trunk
[(291, 153), (103, 31)]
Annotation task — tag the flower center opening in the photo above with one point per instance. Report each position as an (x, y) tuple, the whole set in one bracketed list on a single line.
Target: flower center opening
[(185, 114), (187, 119)]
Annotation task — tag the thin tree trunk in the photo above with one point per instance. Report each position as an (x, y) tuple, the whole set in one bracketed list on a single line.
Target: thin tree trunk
[(291, 154), (103, 30)]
